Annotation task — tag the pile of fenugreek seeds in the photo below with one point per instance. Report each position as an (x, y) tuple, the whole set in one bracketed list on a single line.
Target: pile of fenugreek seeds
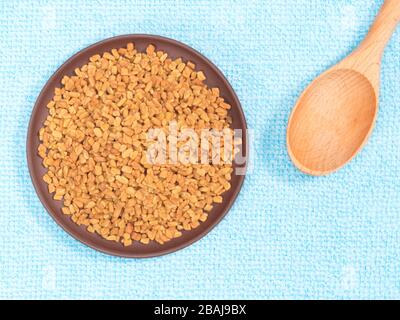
[(94, 144)]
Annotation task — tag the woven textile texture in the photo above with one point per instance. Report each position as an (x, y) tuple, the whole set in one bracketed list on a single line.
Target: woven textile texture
[(288, 235)]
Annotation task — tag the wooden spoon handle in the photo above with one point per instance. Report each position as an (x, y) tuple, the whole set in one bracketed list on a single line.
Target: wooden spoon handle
[(366, 59), (382, 29)]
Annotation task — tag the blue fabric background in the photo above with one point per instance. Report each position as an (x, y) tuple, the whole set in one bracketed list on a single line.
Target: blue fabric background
[(288, 235)]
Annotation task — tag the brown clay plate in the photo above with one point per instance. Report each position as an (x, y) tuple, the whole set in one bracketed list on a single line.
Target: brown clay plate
[(174, 49)]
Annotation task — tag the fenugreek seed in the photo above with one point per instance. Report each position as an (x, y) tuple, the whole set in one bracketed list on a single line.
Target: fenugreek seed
[(126, 169), (201, 76), (98, 170), (95, 58), (60, 191), (107, 56), (111, 238), (226, 185), (224, 171), (163, 57), (47, 179), (134, 154), (57, 197), (150, 49), (127, 153), (127, 242), (115, 171), (90, 205), (187, 72), (194, 224), (57, 134), (131, 191), (98, 132), (130, 46), (121, 102), (135, 236), (129, 228), (65, 210), (122, 179)]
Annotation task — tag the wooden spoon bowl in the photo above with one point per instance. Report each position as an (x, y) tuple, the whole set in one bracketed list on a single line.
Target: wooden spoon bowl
[(337, 110)]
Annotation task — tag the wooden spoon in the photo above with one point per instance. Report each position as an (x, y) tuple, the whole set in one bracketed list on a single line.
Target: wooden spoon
[(335, 115)]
